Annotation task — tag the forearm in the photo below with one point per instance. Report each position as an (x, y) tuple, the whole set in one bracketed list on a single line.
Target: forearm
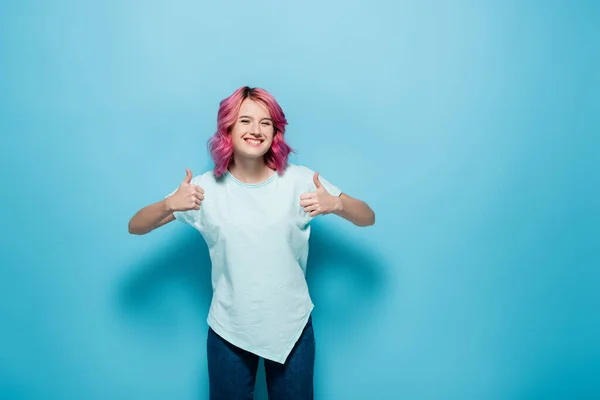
[(355, 211), (149, 218)]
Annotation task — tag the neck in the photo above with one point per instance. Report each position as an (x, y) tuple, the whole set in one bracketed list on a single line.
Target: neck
[(253, 170)]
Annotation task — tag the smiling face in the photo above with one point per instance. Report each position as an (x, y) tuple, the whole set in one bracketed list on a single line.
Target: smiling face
[(252, 133)]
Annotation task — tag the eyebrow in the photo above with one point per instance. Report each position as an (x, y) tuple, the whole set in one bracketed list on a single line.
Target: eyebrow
[(247, 116)]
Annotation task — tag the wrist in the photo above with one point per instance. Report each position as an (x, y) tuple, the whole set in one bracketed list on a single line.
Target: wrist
[(338, 206), (167, 207)]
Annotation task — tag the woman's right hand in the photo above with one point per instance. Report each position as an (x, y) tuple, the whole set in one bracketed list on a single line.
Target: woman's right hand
[(187, 197)]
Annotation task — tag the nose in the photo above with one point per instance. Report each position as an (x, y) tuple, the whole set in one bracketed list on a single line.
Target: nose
[(255, 129)]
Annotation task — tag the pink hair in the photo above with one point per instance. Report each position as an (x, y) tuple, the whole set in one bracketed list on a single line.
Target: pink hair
[(220, 145)]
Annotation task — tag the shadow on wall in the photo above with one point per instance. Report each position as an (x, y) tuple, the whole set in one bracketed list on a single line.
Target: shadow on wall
[(345, 280)]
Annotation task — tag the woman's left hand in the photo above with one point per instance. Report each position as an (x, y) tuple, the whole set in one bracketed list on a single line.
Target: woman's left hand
[(320, 201)]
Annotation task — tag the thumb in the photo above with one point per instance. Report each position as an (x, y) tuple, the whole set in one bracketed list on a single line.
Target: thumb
[(188, 176), (316, 180)]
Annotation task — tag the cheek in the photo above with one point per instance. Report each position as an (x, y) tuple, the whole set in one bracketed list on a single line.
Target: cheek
[(236, 135), (236, 140), (237, 132)]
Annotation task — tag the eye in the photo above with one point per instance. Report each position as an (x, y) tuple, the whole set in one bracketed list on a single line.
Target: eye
[(245, 121), (266, 123)]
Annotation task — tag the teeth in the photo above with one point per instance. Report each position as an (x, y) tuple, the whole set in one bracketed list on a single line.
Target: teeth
[(253, 141)]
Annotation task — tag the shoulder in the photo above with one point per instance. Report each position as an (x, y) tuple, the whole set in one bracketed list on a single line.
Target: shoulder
[(298, 171), (205, 179), (206, 176), (304, 175)]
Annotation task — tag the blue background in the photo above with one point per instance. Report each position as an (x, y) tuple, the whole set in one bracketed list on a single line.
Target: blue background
[(470, 127)]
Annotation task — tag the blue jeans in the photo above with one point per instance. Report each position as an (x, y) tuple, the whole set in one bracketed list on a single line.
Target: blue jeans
[(232, 371)]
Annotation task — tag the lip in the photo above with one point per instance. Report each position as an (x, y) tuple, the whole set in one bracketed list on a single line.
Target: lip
[(252, 144)]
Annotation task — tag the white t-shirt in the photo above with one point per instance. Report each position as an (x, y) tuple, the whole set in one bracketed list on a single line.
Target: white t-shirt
[(257, 236)]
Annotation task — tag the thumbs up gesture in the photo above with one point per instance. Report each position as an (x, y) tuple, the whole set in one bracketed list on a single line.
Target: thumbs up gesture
[(319, 201), (187, 197)]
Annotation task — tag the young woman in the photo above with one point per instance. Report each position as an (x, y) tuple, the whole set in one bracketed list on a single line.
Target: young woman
[(254, 210)]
